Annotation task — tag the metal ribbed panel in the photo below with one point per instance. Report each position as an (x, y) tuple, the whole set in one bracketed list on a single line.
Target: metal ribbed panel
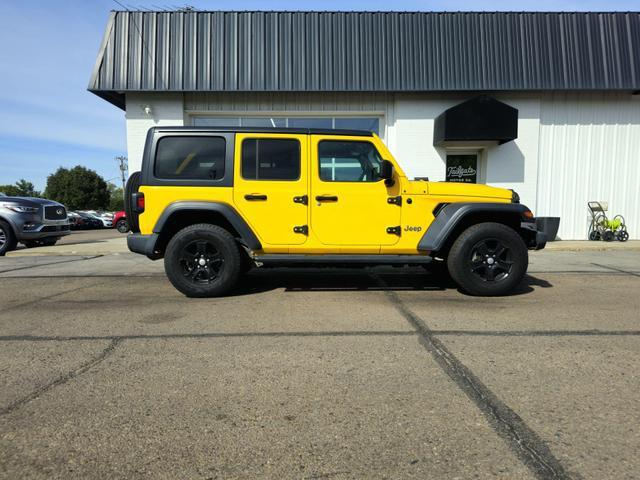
[(362, 51), (588, 151)]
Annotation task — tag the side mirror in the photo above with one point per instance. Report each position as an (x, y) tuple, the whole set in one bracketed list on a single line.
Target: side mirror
[(386, 172)]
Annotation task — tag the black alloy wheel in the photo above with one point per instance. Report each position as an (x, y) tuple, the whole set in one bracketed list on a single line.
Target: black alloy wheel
[(490, 260), (203, 260)]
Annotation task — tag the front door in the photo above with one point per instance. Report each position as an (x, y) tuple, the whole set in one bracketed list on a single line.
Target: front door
[(349, 201), (271, 185)]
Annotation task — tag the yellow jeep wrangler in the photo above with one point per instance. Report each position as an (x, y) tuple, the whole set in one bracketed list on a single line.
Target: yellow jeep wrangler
[(215, 202)]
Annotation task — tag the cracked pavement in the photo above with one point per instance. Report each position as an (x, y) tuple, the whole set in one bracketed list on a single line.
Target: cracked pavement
[(107, 371)]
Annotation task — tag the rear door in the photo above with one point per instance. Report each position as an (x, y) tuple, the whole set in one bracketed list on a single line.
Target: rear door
[(271, 185), (349, 201)]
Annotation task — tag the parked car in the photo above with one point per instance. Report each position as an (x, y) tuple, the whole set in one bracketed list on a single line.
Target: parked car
[(91, 221), (313, 197), (108, 216), (76, 222), (31, 221), (105, 222), (120, 221)]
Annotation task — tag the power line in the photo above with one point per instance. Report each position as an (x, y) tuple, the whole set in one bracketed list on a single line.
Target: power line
[(123, 168)]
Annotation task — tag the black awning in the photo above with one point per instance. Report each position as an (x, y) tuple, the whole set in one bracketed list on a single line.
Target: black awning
[(480, 119)]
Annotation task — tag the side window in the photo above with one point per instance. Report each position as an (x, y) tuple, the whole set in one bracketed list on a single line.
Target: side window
[(190, 158), (270, 159), (348, 161)]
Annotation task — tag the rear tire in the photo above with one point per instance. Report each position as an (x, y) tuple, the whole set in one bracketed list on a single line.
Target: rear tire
[(132, 186), (488, 259), (7, 238), (122, 226), (203, 260)]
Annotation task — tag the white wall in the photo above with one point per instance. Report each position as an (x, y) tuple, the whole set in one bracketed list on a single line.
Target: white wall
[(589, 150), (571, 147), (511, 165), (166, 109)]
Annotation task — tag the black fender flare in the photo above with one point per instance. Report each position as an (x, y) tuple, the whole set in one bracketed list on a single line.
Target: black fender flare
[(450, 216), (229, 213)]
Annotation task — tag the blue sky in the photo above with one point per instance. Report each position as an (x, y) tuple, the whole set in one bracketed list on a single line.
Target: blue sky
[(48, 49)]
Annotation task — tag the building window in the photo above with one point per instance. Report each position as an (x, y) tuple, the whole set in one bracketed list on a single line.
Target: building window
[(371, 124), (190, 158), (345, 161), (270, 159), (462, 167)]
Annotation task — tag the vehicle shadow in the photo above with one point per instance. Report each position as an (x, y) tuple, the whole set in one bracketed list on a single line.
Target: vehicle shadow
[(358, 279)]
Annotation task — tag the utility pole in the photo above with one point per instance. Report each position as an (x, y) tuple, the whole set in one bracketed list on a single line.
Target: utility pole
[(123, 169)]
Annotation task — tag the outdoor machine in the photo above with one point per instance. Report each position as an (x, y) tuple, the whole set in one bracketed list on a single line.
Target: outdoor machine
[(602, 228)]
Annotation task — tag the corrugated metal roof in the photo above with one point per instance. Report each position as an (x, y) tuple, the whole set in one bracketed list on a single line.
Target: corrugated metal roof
[(366, 51)]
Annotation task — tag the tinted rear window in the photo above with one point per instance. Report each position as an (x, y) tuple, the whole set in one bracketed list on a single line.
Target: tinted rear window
[(190, 158), (270, 159)]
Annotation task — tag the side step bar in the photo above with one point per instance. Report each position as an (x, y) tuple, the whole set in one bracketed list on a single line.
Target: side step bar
[(337, 260)]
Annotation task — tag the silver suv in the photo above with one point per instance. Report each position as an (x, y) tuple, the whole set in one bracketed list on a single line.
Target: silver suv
[(32, 221)]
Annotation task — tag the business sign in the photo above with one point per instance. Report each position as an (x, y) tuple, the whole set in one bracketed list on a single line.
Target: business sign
[(462, 168)]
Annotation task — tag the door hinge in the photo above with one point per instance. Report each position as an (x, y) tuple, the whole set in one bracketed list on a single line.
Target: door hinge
[(303, 229), (395, 200), (303, 200), (394, 230)]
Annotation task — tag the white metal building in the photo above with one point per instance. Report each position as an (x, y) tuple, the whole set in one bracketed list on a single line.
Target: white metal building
[(572, 78)]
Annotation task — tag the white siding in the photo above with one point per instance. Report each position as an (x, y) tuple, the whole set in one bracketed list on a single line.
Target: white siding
[(512, 165), (166, 109), (571, 147), (589, 150)]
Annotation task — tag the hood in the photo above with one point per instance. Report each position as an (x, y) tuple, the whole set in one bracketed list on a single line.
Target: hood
[(29, 201), (458, 189)]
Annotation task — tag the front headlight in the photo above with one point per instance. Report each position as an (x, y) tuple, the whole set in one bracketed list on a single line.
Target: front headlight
[(515, 198), (19, 208)]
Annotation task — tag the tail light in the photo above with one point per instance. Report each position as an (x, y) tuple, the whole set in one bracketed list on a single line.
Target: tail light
[(138, 202)]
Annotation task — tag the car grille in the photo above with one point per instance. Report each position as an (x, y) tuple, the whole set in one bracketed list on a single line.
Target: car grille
[(55, 228), (53, 212)]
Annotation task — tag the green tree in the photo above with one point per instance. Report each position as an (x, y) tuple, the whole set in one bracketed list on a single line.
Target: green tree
[(26, 188), (78, 188), (116, 200), (22, 188), (10, 190)]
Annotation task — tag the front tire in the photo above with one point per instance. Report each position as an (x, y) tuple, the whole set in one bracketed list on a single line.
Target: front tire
[(7, 238), (203, 261), (488, 259), (122, 226)]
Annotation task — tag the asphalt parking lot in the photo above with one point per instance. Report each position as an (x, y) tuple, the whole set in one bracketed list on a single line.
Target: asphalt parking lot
[(108, 372)]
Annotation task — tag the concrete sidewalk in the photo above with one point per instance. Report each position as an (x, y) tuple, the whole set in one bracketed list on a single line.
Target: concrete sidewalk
[(103, 247), (586, 245)]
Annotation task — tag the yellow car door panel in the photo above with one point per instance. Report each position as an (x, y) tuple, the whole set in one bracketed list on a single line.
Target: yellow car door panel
[(270, 178), (349, 201)]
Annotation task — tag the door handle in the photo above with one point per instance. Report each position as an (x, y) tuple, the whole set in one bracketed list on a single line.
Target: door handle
[(327, 198), (255, 197)]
